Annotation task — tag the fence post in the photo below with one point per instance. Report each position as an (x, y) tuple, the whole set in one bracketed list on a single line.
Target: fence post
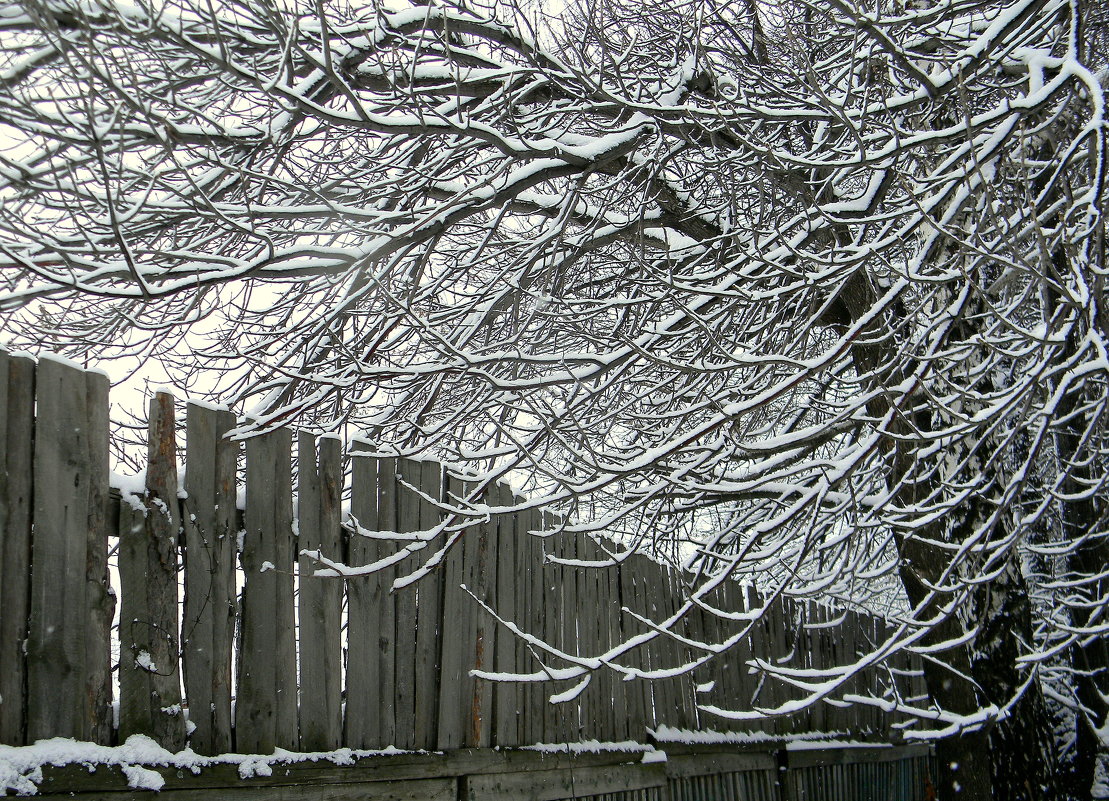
[(149, 682)]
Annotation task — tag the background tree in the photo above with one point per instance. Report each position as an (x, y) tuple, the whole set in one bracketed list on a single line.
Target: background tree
[(809, 295)]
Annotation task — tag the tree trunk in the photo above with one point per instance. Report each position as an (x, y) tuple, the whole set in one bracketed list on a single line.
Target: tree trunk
[(1010, 759)]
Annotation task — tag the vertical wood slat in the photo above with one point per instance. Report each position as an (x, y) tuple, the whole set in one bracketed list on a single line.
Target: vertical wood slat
[(537, 692), (642, 602), (459, 630), (65, 496), (525, 662), (551, 628), (320, 493), (210, 551), (150, 690), (660, 610), (622, 692), (265, 709), (683, 683), (361, 726), (506, 695), (8, 696), (99, 597), (634, 691), (404, 665), (602, 716), (16, 463), (570, 613), (371, 625), (429, 614), (482, 577), (600, 619), (55, 649)]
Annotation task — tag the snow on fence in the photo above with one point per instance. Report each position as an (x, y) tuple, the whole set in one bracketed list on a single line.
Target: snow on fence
[(302, 645)]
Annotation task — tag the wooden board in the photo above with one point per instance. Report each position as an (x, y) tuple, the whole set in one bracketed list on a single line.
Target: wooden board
[(636, 697), (210, 554), (99, 596), (149, 675), (481, 578), (419, 790), (16, 462), (506, 695), (456, 685), (56, 703), (535, 693), (429, 622), (265, 709), (563, 784), (404, 666), (369, 720), (320, 601)]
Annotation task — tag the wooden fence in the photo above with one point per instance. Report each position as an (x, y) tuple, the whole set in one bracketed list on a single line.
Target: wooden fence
[(317, 663)]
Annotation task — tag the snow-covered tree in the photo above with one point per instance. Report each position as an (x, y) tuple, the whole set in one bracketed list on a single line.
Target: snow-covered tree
[(809, 294)]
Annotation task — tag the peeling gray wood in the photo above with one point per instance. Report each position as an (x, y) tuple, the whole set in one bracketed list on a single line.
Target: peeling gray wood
[(320, 602), (150, 681), (404, 699), (210, 604), (555, 785), (16, 463), (370, 720), (56, 702), (265, 709), (506, 700), (456, 685), (429, 612), (99, 596)]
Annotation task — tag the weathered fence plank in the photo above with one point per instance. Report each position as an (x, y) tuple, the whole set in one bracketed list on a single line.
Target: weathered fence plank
[(266, 705), (568, 722), (635, 691), (57, 678), (429, 612), (370, 720), (210, 552), (482, 580), (553, 785), (16, 462), (319, 489), (535, 697), (149, 681), (99, 597), (404, 698), (506, 655), (465, 712)]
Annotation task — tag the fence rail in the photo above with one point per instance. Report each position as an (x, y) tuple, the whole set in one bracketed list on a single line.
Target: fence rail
[(703, 773), (301, 645)]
